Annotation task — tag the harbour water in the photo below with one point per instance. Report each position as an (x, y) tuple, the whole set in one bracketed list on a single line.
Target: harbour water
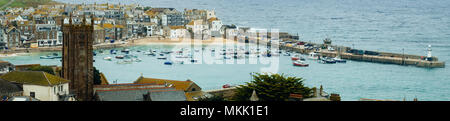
[(382, 25)]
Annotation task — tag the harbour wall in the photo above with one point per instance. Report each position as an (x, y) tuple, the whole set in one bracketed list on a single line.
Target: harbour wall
[(381, 57)]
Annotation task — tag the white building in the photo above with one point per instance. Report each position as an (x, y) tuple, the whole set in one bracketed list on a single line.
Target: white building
[(215, 25), (197, 26), (48, 35), (40, 85), (177, 32)]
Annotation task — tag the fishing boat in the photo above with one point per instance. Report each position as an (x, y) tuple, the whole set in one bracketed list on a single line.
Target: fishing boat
[(107, 58), (295, 57), (313, 56), (339, 60), (125, 50), (168, 63), (300, 63), (327, 60), (120, 57), (287, 54)]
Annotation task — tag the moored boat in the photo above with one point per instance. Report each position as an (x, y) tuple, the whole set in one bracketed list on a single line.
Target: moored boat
[(161, 56), (46, 57), (107, 58), (339, 59), (300, 63), (168, 63), (295, 57), (120, 57), (327, 60), (313, 56)]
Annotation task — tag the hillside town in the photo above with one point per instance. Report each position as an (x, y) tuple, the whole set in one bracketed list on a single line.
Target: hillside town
[(41, 26), (83, 26)]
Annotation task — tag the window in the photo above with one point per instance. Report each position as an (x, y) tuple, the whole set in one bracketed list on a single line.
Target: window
[(54, 89), (32, 94)]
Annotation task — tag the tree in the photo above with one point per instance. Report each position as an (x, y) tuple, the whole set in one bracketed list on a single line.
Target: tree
[(47, 69), (97, 77), (212, 98), (273, 87)]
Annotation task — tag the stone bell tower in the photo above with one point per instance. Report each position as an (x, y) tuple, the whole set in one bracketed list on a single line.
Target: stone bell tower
[(77, 59)]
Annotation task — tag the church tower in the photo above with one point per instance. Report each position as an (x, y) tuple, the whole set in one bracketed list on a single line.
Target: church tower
[(77, 60)]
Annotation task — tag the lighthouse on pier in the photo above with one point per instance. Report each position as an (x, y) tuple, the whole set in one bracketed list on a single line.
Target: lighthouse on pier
[(429, 53)]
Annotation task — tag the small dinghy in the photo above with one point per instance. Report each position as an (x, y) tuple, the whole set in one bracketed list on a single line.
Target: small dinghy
[(107, 58), (168, 63)]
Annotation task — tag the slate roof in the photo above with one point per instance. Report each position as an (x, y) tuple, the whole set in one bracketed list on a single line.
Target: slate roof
[(8, 87), (167, 95), (34, 78), (126, 94)]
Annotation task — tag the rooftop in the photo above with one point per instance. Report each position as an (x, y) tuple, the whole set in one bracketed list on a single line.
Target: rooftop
[(136, 94), (8, 87), (167, 95), (179, 85), (33, 78)]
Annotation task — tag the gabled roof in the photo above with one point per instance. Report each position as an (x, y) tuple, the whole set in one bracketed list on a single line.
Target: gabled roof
[(179, 85), (212, 19), (167, 95), (33, 78)]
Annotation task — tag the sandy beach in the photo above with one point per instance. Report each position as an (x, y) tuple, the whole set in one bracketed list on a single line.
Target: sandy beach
[(128, 43), (145, 41)]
